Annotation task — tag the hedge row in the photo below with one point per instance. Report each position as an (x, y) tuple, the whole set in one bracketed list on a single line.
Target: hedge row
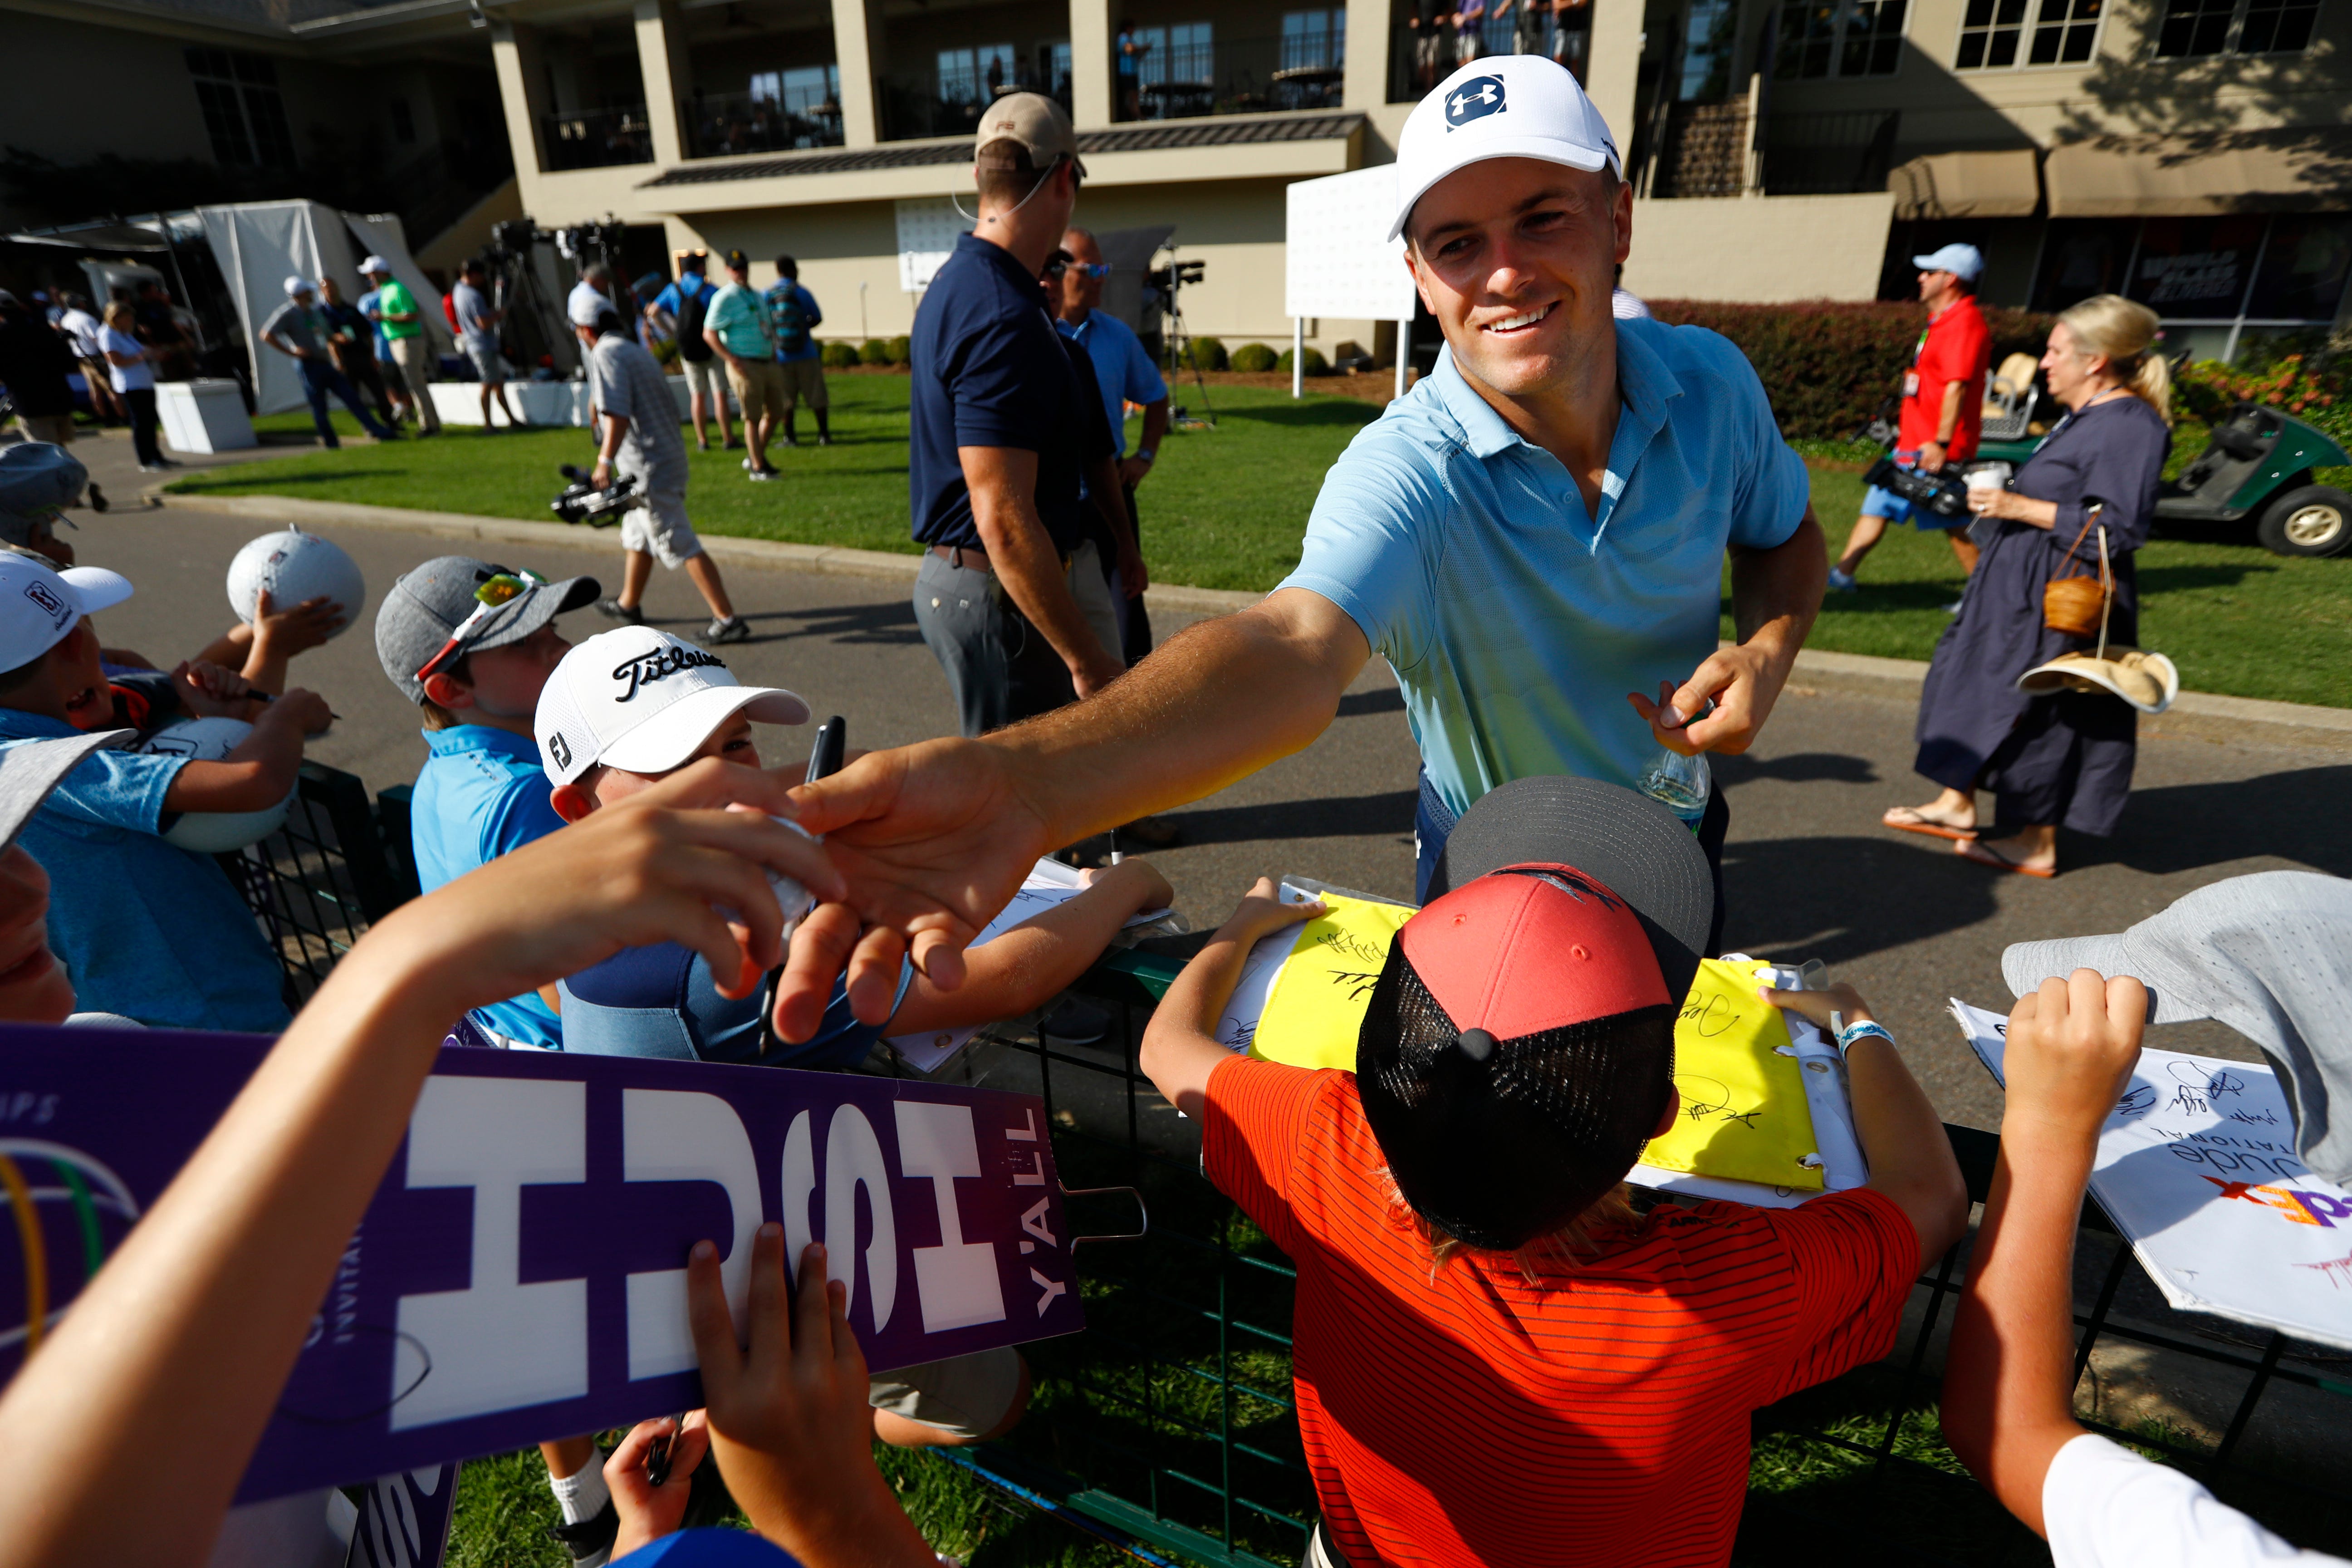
[(1828, 367)]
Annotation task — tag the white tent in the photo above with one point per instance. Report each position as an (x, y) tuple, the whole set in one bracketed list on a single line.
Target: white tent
[(259, 245)]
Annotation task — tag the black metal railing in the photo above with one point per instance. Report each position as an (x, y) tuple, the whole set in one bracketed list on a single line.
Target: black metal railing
[(1828, 154), (1184, 81), (916, 104), (720, 123), (1414, 68), (596, 138), (1167, 1428)]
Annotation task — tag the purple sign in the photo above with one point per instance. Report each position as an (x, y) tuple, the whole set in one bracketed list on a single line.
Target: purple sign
[(521, 1273), (403, 1520)]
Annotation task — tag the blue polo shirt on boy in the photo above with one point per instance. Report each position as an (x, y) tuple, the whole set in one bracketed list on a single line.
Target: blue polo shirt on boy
[(144, 928), (1517, 621), (988, 371), (483, 792), (661, 1001), (1122, 367)]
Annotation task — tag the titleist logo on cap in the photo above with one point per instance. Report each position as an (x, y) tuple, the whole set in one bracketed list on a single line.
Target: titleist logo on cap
[(660, 665)]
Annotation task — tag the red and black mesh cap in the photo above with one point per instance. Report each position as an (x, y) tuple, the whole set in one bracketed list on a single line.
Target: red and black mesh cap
[(1518, 1046)]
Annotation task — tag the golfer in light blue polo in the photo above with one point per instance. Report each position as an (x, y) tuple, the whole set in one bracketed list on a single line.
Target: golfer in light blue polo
[(1534, 538)]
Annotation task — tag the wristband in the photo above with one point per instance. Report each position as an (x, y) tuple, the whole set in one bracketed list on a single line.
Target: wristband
[(1146, 454), (1864, 1030)]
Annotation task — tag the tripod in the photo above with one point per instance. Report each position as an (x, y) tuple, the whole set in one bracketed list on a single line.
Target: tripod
[(1175, 275)]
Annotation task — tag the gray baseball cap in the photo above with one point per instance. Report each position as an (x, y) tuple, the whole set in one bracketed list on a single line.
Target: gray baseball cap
[(29, 770), (2268, 954), (426, 608), (37, 479)]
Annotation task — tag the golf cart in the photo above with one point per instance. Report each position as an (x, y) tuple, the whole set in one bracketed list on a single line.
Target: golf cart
[(2256, 466)]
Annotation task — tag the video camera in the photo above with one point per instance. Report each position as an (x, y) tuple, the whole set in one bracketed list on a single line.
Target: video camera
[(1176, 274), (582, 502), (1942, 492)]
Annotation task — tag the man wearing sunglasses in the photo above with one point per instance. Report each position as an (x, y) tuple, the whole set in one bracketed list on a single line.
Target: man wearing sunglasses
[(1126, 375), (470, 643)]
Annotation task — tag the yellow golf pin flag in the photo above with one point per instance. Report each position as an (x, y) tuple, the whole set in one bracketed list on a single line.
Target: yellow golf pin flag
[(1744, 1115), (1316, 1004)]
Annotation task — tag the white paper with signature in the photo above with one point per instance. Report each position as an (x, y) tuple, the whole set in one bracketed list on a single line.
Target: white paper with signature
[(2196, 1167), (1049, 885)]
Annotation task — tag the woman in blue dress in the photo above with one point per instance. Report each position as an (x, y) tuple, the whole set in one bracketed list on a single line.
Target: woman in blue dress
[(2064, 759)]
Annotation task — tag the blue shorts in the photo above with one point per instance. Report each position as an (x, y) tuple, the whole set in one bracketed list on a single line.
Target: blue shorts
[(1895, 509)]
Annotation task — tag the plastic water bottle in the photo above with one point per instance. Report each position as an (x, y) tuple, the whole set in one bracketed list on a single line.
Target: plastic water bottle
[(1682, 784)]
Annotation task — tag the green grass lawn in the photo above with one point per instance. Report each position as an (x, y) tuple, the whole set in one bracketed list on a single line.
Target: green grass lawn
[(1225, 509)]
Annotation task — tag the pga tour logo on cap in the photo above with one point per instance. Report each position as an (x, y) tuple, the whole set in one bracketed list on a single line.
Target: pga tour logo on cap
[(1474, 100), (50, 605)]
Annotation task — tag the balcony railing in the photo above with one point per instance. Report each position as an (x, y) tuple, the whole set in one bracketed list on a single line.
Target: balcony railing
[(1235, 76), (1829, 154), (916, 104), (720, 123), (596, 138), (1567, 38)]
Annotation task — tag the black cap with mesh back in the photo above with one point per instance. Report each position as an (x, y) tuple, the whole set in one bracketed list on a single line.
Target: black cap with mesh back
[(1584, 913)]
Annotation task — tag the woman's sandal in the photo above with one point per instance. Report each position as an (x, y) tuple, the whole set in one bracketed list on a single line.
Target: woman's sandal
[(1920, 822), (1985, 854)]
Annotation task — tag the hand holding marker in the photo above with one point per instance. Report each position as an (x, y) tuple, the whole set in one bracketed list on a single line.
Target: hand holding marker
[(825, 759)]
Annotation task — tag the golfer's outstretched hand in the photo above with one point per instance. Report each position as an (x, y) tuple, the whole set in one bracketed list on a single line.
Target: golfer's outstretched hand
[(933, 839)]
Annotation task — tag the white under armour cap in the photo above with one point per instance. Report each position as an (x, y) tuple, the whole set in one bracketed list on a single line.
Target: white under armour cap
[(643, 701), (39, 605), (1503, 106)]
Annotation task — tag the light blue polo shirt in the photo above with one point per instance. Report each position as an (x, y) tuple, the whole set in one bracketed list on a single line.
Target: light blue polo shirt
[(1122, 367), (145, 928), (482, 793), (1516, 620)]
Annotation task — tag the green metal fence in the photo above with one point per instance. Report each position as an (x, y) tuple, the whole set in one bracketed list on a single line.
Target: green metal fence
[(1168, 1429)]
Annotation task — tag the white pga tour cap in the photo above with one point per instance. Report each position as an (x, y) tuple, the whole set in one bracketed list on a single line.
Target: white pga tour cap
[(373, 263), (1503, 106), (39, 605), (642, 700)]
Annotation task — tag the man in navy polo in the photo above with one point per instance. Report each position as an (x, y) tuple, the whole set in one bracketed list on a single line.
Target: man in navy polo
[(1534, 538), (995, 466)]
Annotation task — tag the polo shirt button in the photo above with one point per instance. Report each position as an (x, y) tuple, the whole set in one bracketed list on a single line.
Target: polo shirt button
[(935, 603)]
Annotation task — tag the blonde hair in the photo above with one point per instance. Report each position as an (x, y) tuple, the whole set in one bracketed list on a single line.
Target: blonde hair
[(121, 316), (2124, 332)]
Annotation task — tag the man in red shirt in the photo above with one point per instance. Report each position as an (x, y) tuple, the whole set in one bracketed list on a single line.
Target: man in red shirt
[(1496, 1361), (1943, 404)]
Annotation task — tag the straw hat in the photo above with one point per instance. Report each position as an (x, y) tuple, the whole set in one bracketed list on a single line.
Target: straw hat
[(2145, 681)]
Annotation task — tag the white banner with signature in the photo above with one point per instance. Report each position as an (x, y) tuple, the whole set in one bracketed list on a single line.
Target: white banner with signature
[(2196, 1167)]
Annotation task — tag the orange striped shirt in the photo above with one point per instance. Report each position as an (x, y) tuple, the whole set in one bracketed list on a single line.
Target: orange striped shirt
[(1597, 1417)]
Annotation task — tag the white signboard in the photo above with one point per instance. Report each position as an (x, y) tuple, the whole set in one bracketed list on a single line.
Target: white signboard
[(1339, 259), (928, 231), (2196, 1167)]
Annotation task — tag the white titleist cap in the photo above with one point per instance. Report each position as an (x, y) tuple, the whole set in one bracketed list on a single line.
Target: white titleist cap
[(642, 700), (39, 605), (1503, 106)]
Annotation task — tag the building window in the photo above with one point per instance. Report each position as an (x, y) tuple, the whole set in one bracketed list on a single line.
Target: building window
[(2218, 283), (974, 75), (804, 90), (244, 115), (1314, 40), (1839, 37), (1994, 34), (2193, 28), (1053, 66), (404, 123)]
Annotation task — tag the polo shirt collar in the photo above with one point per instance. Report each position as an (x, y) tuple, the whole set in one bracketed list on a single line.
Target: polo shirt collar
[(996, 255), (1642, 379), (17, 724), (482, 738)]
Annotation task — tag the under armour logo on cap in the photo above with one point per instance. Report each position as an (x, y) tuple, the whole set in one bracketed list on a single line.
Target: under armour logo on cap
[(1474, 100)]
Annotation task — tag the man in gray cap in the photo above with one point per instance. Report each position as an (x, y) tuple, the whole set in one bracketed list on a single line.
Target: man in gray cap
[(38, 482), (2270, 956), (471, 644)]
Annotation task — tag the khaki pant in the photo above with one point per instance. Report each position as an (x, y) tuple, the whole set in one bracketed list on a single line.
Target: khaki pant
[(759, 387), (414, 355)]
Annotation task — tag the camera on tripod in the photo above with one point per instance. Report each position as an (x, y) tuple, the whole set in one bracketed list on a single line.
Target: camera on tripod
[(582, 502), (1176, 274)]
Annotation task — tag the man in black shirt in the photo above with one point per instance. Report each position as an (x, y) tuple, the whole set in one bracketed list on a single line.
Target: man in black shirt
[(995, 434), (35, 360)]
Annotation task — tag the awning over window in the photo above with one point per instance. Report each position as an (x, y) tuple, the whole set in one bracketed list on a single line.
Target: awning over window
[(2300, 169), (1967, 184)]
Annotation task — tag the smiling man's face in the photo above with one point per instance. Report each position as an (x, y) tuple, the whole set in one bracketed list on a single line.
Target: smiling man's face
[(1516, 259)]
